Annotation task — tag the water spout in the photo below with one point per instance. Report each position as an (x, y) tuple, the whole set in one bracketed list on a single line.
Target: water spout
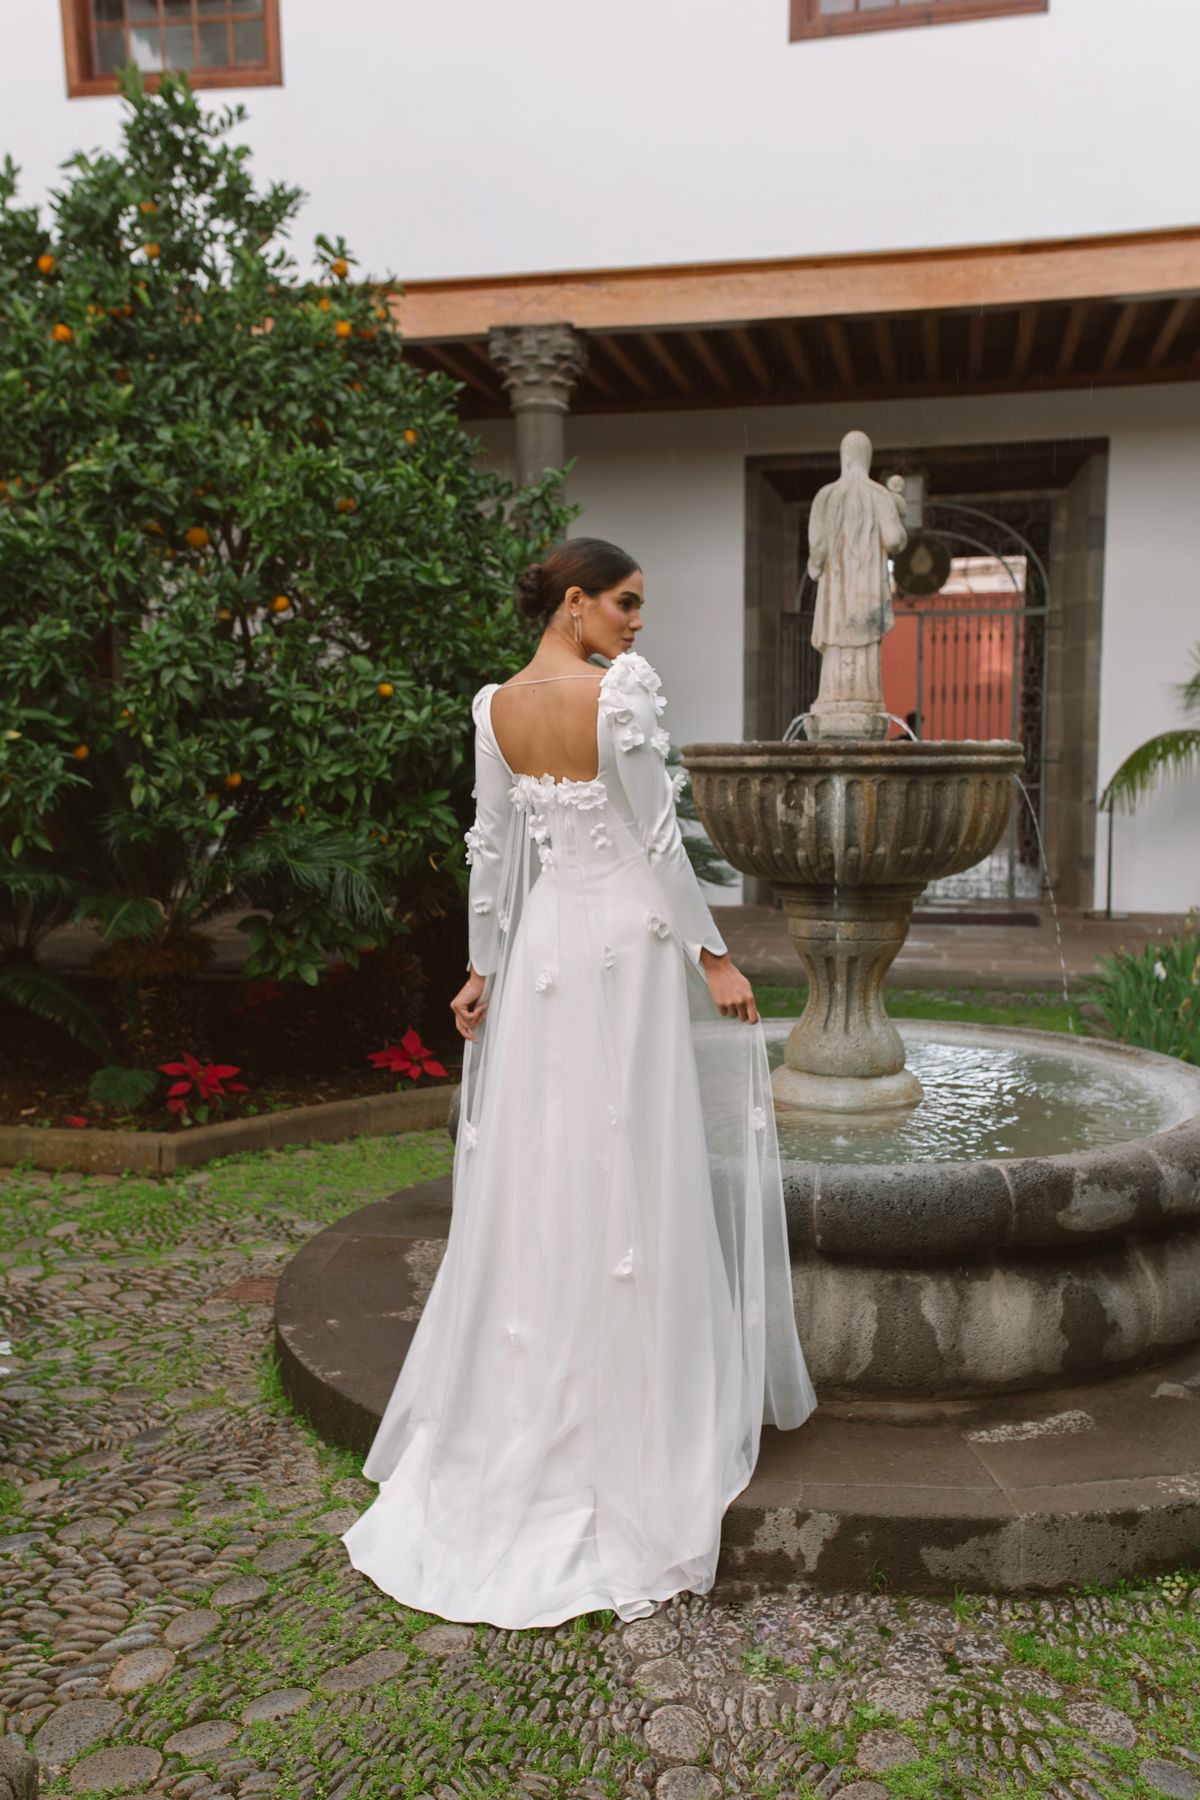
[(1062, 960)]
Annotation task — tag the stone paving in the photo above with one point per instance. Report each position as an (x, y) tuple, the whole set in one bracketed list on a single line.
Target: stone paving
[(178, 1616)]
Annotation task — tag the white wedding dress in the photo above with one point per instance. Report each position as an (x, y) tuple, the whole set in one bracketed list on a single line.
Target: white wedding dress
[(612, 1321)]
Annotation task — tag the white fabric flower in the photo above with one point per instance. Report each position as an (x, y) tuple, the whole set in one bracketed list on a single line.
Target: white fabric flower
[(624, 1269), (609, 958), (481, 906), (657, 925), (545, 856), (474, 841), (758, 1119), (545, 980), (470, 1135), (503, 919), (629, 737), (612, 1115), (599, 836), (514, 1337)]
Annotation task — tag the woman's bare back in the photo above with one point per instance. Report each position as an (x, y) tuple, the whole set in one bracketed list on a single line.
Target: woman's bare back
[(546, 725)]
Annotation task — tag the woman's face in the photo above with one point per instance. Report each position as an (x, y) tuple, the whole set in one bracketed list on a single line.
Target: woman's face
[(610, 620)]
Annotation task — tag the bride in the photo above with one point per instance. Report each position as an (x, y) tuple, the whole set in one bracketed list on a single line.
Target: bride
[(612, 1321)]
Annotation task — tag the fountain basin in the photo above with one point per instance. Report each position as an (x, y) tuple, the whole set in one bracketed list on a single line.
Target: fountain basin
[(918, 1276), (848, 835)]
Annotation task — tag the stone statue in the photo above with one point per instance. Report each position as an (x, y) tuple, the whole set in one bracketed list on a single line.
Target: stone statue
[(854, 526)]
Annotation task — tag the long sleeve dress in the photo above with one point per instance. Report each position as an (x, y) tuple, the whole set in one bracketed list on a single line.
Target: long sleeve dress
[(612, 1321)]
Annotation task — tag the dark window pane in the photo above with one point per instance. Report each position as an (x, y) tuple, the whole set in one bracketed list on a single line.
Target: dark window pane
[(835, 6), (143, 9), (110, 51), (147, 50), (108, 12), (249, 44), (214, 44), (181, 52), (212, 6), (177, 11)]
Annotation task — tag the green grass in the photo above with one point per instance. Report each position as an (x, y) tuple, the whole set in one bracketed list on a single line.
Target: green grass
[(966, 1006)]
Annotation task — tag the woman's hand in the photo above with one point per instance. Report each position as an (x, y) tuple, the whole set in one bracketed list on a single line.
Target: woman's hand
[(729, 987), (467, 1006)]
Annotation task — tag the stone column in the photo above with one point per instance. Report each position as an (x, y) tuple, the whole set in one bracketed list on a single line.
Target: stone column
[(539, 365)]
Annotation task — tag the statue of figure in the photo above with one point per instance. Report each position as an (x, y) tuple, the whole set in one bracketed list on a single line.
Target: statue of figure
[(854, 526)]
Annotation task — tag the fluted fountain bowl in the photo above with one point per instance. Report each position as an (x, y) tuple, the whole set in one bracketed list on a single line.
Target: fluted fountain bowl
[(848, 835)]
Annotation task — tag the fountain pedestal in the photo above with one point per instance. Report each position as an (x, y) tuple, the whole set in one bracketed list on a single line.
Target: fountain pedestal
[(844, 1054)]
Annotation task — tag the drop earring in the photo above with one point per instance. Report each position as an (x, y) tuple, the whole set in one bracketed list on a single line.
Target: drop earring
[(577, 628)]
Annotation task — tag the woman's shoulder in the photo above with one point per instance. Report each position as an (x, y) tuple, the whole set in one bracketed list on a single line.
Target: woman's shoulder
[(631, 678)]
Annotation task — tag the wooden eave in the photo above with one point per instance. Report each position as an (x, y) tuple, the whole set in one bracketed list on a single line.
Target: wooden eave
[(984, 319)]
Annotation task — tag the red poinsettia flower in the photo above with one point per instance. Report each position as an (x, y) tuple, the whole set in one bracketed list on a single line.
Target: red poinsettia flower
[(77, 1120), (409, 1057), (210, 1081)]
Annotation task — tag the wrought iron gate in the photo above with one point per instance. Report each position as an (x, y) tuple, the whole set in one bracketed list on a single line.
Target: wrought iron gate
[(962, 665)]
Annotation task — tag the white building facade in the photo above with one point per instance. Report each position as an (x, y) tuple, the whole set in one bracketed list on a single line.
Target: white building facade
[(734, 232)]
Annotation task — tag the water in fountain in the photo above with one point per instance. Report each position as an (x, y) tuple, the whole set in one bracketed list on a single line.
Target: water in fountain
[(1062, 959)]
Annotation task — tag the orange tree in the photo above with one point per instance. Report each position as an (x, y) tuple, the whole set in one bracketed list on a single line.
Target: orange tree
[(250, 575)]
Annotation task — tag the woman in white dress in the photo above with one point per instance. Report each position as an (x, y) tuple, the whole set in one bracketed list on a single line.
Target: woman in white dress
[(612, 1321)]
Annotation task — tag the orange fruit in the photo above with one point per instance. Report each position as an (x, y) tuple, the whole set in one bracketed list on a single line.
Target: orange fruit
[(223, 612), (147, 206), (385, 690), (62, 334), (123, 376), (152, 525), (127, 311), (302, 809), (197, 537), (347, 505), (356, 387), (343, 328), (280, 603), (381, 312), (81, 753), (152, 250), (233, 780), (125, 713), (45, 264), (324, 303), (200, 492), (410, 436), (340, 267)]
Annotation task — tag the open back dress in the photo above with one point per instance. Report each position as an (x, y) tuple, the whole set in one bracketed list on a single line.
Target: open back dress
[(612, 1321)]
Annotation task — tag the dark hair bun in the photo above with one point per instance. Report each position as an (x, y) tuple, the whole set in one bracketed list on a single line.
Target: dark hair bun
[(531, 588)]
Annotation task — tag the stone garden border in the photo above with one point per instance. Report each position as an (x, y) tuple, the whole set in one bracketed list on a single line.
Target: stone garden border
[(166, 1152)]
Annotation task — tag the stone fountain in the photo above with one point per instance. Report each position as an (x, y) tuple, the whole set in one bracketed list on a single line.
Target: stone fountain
[(994, 1235)]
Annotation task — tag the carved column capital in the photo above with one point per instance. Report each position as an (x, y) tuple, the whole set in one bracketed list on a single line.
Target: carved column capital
[(539, 364)]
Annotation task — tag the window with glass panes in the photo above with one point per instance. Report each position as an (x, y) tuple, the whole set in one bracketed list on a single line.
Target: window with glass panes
[(832, 18), (220, 43)]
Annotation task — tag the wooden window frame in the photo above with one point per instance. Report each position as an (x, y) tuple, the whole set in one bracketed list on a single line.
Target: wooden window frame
[(81, 84), (807, 22)]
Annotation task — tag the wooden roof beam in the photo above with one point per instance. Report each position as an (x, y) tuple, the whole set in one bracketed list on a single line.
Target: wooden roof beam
[(793, 349), (930, 349), (1026, 332), (1169, 330), (976, 344), (1072, 334), (617, 355), (839, 348), (705, 350), (670, 362), (885, 349), (1119, 336), (752, 356), (462, 370)]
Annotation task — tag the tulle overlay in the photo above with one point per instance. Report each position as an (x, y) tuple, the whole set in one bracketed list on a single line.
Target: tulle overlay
[(612, 1321)]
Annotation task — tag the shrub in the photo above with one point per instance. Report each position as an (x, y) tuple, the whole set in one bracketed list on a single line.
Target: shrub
[(1152, 997), (250, 576)]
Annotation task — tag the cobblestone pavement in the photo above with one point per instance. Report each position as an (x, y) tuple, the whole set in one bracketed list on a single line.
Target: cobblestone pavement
[(178, 1616)]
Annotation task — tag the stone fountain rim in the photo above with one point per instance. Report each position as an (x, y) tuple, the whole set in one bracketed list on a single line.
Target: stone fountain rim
[(853, 753), (912, 1211)]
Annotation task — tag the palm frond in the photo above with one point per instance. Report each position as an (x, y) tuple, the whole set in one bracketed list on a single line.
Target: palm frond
[(48, 996), (1190, 689), (119, 916), (1172, 753), (328, 861)]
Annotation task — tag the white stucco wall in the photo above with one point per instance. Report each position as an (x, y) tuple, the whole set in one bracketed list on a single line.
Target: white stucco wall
[(548, 134), (671, 489)]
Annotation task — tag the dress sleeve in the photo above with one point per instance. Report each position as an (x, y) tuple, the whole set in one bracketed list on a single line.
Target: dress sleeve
[(631, 699), (485, 842)]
